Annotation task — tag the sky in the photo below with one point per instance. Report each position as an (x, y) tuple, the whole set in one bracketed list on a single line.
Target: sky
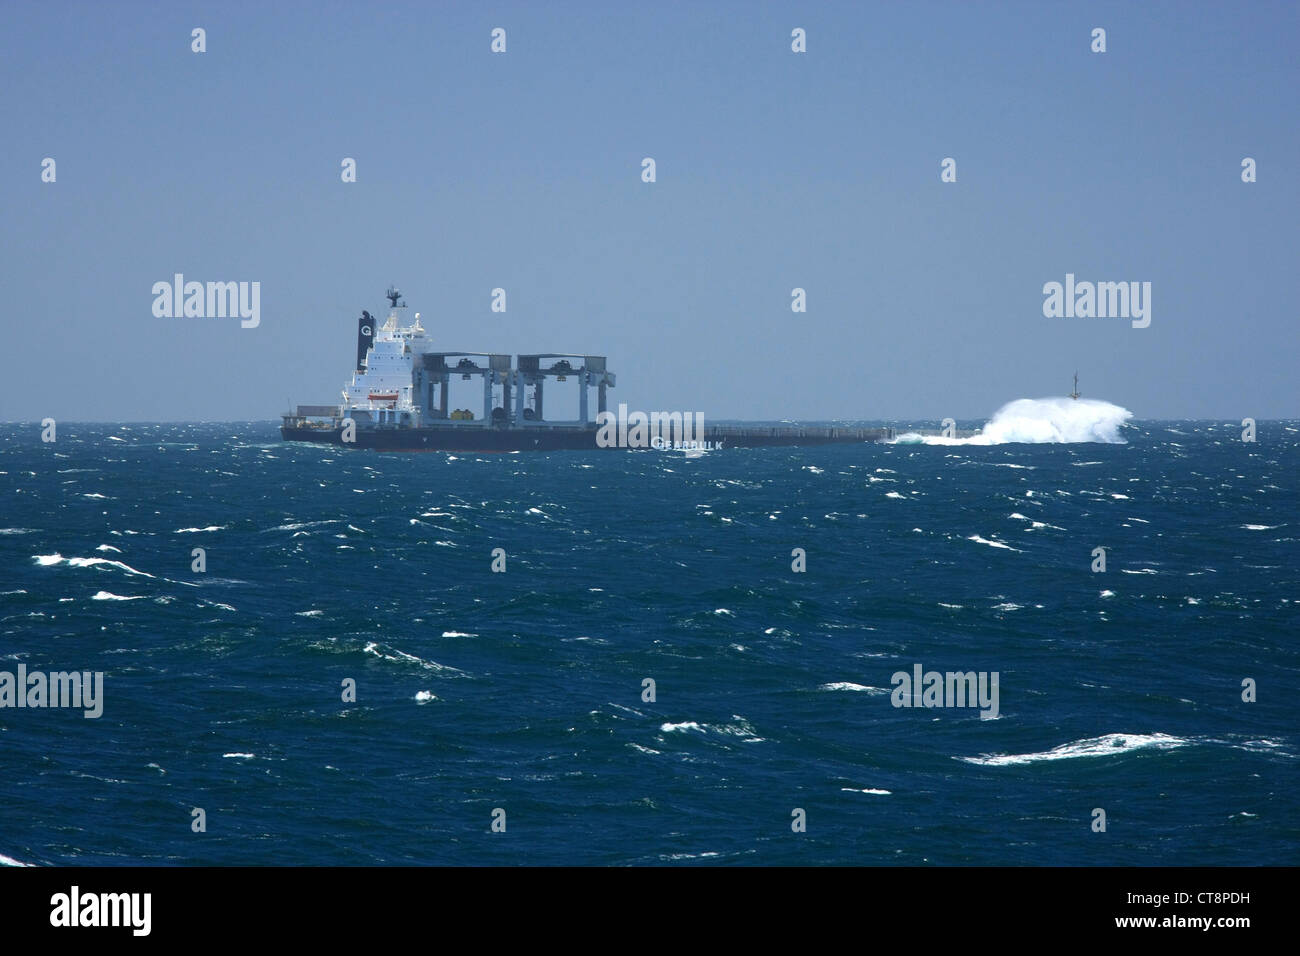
[(774, 170)]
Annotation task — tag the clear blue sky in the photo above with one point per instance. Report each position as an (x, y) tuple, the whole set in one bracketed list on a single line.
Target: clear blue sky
[(775, 170)]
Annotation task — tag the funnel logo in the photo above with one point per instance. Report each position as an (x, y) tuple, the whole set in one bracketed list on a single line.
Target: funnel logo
[(1102, 300), (213, 300)]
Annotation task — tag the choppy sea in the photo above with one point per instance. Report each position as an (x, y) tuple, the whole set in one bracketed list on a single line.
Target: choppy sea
[(521, 696)]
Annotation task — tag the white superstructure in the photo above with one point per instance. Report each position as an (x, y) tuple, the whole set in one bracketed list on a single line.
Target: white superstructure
[(385, 384)]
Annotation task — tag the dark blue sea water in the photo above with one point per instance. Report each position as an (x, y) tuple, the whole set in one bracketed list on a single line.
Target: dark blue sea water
[(522, 690)]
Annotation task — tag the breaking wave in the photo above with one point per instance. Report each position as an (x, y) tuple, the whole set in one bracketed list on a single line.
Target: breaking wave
[(1044, 421), (849, 685), (48, 560), (1106, 746)]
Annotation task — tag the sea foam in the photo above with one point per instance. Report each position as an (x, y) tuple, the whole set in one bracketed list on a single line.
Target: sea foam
[(1107, 746), (1046, 421)]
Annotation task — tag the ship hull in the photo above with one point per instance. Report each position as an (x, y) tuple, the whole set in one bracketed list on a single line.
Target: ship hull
[(399, 401), (572, 438)]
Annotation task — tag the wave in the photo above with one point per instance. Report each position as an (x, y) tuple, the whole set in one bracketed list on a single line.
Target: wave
[(740, 727), (993, 544), (684, 725), (373, 647), (48, 560), (1039, 421), (849, 685), (1105, 746)]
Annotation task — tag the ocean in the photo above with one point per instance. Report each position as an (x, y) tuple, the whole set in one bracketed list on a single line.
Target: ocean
[(506, 717)]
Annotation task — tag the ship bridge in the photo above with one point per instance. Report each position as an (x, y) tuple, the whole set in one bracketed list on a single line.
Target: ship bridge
[(385, 358)]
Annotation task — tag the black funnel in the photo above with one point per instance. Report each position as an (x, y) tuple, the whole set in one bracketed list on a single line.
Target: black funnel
[(365, 335)]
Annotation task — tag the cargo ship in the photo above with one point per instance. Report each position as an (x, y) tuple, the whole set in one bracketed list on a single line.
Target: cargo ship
[(399, 397)]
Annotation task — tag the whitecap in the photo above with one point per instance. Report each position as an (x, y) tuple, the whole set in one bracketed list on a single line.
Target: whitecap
[(849, 685), (1106, 746), (993, 543), (47, 560), (405, 658)]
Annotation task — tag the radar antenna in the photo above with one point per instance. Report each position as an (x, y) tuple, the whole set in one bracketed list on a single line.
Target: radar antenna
[(393, 295)]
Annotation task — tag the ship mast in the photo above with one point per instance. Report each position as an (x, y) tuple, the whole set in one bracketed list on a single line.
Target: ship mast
[(1075, 394), (393, 295)]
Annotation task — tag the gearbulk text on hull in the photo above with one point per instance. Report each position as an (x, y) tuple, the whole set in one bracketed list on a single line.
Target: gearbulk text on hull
[(399, 396)]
